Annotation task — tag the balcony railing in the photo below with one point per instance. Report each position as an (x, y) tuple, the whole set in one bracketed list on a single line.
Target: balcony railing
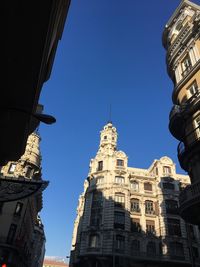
[(194, 97), (189, 193), (192, 138), (185, 72)]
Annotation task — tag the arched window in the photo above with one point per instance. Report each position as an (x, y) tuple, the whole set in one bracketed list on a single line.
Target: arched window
[(147, 186), (135, 246), (135, 205), (151, 248), (94, 241), (134, 186)]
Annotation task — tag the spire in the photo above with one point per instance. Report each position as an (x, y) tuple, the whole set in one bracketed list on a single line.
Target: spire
[(108, 138)]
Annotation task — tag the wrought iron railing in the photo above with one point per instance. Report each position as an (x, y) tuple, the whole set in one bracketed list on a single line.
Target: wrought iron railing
[(191, 139), (190, 192)]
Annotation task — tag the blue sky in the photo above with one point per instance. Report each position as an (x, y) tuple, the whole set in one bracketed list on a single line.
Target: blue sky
[(110, 54)]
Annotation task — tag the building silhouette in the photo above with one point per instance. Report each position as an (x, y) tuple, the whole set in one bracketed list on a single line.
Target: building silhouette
[(130, 216), (22, 237), (31, 36), (181, 39)]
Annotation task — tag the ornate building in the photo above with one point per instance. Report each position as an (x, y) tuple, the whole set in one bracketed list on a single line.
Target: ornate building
[(22, 238), (181, 39), (129, 216)]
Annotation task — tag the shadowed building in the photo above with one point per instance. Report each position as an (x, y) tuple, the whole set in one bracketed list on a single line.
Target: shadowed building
[(181, 39), (22, 238), (129, 216), (30, 38)]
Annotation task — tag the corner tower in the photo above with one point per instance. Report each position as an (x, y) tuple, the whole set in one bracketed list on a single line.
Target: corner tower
[(181, 39), (129, 216)]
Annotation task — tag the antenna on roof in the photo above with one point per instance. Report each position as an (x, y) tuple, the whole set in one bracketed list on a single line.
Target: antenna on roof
[(110, 114)]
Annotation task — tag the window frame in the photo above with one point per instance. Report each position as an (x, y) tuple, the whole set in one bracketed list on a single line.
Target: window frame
[(134, 185), (120, 163), (119, 180), (135, 205), (148, 187), (100, 165), (12, 168)]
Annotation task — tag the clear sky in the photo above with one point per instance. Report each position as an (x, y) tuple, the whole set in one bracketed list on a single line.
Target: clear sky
[(110, 53)]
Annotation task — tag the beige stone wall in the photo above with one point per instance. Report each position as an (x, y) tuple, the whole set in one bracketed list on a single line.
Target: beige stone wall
[(156, 175)]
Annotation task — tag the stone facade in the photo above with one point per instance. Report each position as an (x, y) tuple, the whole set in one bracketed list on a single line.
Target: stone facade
[(181, 39), (22, 238), (129, 216)]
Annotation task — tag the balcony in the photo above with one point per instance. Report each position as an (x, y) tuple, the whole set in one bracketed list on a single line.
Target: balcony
[(187, 70), (176, 122), (190, 204), (180, 112), (189, 148)]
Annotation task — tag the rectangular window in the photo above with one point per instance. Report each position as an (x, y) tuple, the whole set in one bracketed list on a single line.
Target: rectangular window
[(192, 89), (18, 209), (12, 168), (100, 166), (134, 186), (96, 217), (119, 220), (174, 227), (191, 231), (100, 180), (120, 162), (93, 241), (176, 250), (195, 252), (119, 179), (150, 227), (11, 233), (186, 65), (166, 170), (120, 242), (135, 225), (171, 206), (135, 205), (119, 200), (97, 200), (147, 187), (168, 186), (149, 207), (29, 172), (1, 206), (197, 126)]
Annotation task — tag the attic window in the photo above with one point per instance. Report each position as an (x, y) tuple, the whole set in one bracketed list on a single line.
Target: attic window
[(120, 162), (105, 137)]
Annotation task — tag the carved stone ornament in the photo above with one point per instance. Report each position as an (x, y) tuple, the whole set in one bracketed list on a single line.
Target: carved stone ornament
[(12, 189), (166, 160)]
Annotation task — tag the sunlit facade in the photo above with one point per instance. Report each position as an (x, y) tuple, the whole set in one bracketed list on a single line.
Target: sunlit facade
[(181, 39), (129, 216)]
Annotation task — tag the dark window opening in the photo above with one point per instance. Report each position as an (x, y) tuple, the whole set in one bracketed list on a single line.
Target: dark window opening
[(120, 162), (147, 186), (100, 166)]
